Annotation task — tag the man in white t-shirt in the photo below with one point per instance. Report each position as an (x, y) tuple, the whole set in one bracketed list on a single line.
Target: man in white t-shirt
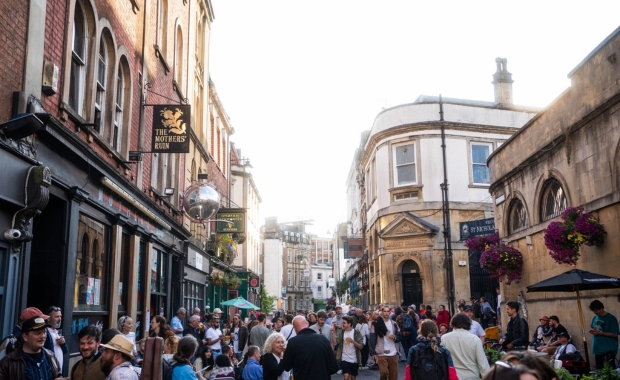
[(565, 346), (54, 341), (215, 336), (475, 329), (385, 353), (350, 342), (287, 330)]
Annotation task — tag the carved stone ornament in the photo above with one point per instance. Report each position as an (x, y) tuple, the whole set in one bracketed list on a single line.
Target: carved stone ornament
[(398, 255)]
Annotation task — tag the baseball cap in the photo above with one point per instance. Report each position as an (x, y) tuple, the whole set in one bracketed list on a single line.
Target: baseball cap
[(217, 311), (34, 323), (565, 335), (544, 318), (468, 308), (32, 312)]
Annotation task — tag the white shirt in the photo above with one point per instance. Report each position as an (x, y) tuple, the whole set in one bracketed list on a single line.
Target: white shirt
[(363, 329), (236, 341), (467, 354), (348, 349), (476, 329), (388, 344), (499, 301), (565, 349), (288, 332), (214, 334), (285, 375), (57, 349)]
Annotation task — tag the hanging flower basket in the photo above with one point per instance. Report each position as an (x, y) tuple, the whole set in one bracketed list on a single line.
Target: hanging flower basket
[(577, 227), (232, 282), (482, 243), (218, 280), (502, 261)]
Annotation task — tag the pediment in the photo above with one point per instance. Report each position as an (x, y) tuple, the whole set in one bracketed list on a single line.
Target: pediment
[(406, 224)]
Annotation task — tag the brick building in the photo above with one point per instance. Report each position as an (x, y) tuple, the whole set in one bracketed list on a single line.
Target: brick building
[(109, 237)]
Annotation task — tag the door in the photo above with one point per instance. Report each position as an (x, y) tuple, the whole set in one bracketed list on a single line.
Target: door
[(480, 285), (412, 289)]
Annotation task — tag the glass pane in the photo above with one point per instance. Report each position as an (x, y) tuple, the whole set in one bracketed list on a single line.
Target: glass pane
[(479, 154), (406, 174), (78, 32), (74, 79), (481, 174), (162, 272), (91, 275), (155, 271), (405, 154)]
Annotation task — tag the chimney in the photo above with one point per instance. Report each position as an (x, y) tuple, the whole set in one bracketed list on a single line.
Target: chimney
[(502, 82)]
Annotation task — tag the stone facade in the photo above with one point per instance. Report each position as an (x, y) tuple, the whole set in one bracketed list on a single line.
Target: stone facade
[(573, 143)]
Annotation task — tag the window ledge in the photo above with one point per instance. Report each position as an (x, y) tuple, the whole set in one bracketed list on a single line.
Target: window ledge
[(160, 55), (405, 188), (72, 115), (475, 186), (109, 150)]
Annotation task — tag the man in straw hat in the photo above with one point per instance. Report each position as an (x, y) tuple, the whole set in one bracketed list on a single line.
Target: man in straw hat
[(30, 360), (116, 359)]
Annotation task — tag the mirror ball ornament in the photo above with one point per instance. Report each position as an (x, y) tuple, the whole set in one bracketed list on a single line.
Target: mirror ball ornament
[(201, 202)]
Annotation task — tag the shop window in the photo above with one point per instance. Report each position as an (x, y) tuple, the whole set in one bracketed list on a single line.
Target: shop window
[(124, 275), (158, 272), (91, 263), (518, 217), (193, 296), (553, 200)]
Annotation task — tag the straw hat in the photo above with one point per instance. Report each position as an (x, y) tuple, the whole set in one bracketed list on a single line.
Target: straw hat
[(121, 344)]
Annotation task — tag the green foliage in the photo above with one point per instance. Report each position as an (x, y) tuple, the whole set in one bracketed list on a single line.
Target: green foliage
[(266, 304), (563, 374), (493, 355), (608, 373), (342, 286)]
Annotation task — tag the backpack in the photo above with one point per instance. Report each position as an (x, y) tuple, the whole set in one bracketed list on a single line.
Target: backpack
[(477, 310), (428, 364), (407, 323), (167, 368)]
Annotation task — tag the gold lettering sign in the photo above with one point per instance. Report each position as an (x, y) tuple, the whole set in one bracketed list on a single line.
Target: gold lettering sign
[(408, 243)]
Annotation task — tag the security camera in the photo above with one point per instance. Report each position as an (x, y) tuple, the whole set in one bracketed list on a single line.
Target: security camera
[(17, 235)]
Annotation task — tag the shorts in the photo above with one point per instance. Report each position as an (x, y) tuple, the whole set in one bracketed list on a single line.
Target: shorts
[(351, 368)]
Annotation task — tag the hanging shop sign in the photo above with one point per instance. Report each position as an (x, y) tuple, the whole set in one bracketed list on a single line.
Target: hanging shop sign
[(476, 228), (171, 125), (234, 215), (355, 248)]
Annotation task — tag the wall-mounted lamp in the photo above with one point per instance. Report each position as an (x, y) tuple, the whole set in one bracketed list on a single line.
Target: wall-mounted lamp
[(20, 126), (169, 191)]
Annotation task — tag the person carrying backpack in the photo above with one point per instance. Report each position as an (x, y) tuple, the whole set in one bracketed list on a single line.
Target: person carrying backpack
[(477, 308), (427, 360), (407, 327), (180, 368)]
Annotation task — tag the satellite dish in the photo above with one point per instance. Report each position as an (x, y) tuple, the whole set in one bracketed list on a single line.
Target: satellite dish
[(201, 202)]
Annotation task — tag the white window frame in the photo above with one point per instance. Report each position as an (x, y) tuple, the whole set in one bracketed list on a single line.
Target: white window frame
[(103, 64), (289, 255), (80, 62), (395, 165), (319, 276), (117, 129), (471, 160), (319, 291), (289, 278)]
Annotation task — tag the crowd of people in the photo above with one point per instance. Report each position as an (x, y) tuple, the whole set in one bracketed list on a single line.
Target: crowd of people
[(306, 345)]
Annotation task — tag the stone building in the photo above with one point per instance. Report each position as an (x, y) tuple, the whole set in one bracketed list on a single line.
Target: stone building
[(566, 156), (397, 171)]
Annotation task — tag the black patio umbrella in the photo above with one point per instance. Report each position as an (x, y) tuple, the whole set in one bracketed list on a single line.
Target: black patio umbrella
[(576, 280)]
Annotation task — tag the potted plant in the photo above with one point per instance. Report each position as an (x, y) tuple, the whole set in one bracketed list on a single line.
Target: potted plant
[(502, 261), (482, 242), (218, 279), (232, 282), (577, 227)]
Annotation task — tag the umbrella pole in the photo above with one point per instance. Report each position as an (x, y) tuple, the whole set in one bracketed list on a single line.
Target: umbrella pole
[(583, 332)]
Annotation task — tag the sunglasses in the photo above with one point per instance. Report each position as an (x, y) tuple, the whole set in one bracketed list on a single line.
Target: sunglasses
[(55, 308), (500, 364)]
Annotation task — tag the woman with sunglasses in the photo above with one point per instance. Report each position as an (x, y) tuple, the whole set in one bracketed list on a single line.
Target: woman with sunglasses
[(125, 326)]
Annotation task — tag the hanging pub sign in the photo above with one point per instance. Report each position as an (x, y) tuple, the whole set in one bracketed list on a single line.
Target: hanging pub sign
[(355, 248), (171, 125), (477, 228), (234, 215)]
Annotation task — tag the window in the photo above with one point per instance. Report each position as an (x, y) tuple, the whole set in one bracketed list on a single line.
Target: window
[(78, 60), (319, 276), (102, 76), (178, 67), (91, 266), (158, 272), (162, 26), (404, 165), (289, 255), (193, 295), (553, 200), (319, 292), (124, 275), (260, 268), (518, 217), (479, 154), (408, 195), (120, 135), (290, 282)]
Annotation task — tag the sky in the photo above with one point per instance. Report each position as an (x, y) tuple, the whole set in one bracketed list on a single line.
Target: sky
[(301, 80)]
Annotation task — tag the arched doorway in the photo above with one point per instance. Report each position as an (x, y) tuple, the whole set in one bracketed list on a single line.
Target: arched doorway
[(412, 283)]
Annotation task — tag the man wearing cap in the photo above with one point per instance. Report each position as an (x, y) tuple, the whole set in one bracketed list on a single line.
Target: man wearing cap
[(475, 329), (217, 313), (29, 312), (89, 367), (31, 361), (554, 343), (565, 346), (116, 359), (542, 334)]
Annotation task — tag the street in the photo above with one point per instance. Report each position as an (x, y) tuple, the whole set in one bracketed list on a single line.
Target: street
[(369, 374)]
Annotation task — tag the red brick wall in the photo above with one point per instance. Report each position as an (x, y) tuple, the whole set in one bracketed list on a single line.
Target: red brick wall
[(13, 35)]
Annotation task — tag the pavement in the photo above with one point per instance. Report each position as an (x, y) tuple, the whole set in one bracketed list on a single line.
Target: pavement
[(370, 374)]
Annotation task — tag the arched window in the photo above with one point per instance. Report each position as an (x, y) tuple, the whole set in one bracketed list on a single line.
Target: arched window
[(120, 136), (178, 68), (79, 60), (517, 219), (162, 26), (102, 81), (553, 200)]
